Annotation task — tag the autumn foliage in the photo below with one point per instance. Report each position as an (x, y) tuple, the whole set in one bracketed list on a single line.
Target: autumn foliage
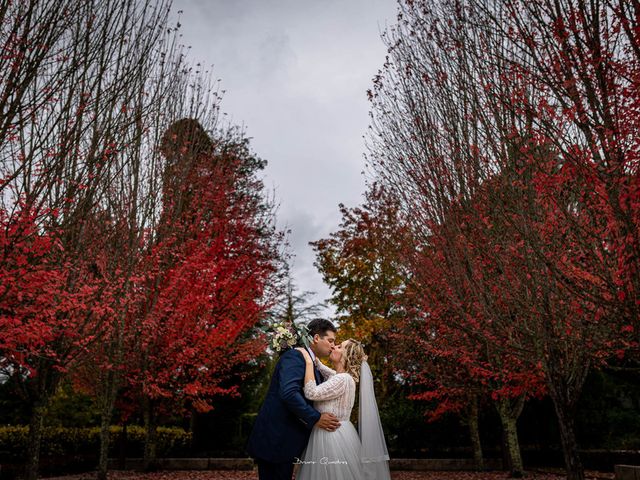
[(202, 279), (138, 246), (508, 134)]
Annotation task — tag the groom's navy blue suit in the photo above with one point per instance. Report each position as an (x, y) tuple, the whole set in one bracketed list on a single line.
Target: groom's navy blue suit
[(283, 425)]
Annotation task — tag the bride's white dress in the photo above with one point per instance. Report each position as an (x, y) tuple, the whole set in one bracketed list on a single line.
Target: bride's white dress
[(332, 455)]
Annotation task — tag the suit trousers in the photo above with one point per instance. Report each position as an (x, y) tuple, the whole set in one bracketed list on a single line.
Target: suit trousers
[(274, 471)]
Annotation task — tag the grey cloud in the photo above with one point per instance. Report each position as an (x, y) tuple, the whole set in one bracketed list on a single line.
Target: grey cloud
[(275, 54), (296, 73)]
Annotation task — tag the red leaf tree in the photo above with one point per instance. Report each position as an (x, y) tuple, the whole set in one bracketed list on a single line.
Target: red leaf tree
[(73, 90), (360, 261), (55, 306), (204, 277), (509, 132)]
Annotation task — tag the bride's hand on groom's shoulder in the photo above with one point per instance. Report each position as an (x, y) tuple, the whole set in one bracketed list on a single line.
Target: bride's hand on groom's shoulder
[(305, 354)]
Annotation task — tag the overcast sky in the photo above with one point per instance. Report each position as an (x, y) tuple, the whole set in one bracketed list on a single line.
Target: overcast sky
[(296, 74)]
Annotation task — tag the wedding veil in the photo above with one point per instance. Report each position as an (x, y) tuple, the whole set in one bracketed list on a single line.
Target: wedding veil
[(373, 453)]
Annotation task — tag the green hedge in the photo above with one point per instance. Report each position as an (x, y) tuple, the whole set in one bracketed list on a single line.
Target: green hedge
[(86, 441)]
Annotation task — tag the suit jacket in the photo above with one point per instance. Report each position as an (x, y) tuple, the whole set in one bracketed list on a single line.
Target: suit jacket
[(285, 420)]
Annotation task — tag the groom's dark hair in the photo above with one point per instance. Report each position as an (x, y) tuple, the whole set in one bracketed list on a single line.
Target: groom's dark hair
[(320, 326)]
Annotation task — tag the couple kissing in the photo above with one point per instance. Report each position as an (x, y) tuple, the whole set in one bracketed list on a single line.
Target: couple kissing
[(305, 417)]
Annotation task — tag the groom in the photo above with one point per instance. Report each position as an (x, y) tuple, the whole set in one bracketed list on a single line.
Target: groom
[(284, 423)]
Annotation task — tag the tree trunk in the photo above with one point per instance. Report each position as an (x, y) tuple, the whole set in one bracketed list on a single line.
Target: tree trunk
[(565, 383), (110, 393), (122, 453), (111, 386), (150, 462), (504, 450), (565, 413), (101, 474), (474, 433), (35, 439), (106, 414), (509, 417), (193, 428)]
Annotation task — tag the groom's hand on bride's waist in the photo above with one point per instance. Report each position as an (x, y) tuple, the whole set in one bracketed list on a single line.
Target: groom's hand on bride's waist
[(328, 422)]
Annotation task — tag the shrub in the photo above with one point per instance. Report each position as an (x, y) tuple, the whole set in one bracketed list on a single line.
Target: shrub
[(58, 441)]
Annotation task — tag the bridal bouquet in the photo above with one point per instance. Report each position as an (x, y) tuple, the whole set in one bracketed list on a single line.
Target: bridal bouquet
[(287, 335)]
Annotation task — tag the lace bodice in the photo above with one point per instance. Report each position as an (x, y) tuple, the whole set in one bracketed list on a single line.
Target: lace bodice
[(335, 395)]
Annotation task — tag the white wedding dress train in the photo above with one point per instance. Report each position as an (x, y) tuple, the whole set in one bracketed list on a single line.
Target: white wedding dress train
[(336, 455)]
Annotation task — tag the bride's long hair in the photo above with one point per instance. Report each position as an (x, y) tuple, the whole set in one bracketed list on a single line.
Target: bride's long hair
[(353, 357)]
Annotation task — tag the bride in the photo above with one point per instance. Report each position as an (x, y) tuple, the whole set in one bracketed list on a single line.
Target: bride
[(343, 454)]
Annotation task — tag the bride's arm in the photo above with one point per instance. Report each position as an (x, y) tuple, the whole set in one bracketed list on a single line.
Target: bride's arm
[(332, 388), (324, 370), (308, 373)]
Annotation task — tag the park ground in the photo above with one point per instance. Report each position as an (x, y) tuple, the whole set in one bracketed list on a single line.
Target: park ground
[(395, 475)]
